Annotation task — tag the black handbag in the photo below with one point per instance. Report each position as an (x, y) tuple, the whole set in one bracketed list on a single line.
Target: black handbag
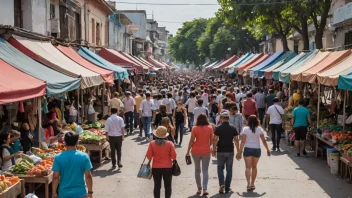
[(188, 160), (176, 171)]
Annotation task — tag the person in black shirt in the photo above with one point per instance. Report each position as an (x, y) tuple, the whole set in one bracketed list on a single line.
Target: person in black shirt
[(225, 137)]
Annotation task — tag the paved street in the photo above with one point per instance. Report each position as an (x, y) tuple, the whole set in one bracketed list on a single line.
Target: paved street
[(281, 175)]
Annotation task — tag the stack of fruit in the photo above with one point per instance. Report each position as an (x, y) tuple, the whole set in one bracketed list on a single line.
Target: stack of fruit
[(7, 182), (21, 168), (88, 137)]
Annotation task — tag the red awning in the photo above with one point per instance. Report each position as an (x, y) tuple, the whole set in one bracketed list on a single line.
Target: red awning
[(107, 75), (114, 57), (136, 61), (17, 86), (156, 64)]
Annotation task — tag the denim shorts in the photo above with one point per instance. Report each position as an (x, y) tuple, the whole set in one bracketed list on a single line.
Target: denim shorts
[(252, 152)]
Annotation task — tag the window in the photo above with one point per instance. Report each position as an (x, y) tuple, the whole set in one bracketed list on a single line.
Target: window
[(18, 14), (295, 45), (97, 39), (348, 40), (78, 26), (93, 31), (52, 11)]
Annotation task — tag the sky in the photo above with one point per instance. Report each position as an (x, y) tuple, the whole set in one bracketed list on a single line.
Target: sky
[(164, 14)]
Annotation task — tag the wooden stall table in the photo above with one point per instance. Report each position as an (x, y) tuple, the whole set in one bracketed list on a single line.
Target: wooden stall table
[(97, 147), (32, 180), (14, 191), (317, 139)]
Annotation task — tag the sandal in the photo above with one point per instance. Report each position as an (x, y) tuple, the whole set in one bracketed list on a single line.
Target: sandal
[(249, 188), (253, 187), (205, 193), (199, 192)]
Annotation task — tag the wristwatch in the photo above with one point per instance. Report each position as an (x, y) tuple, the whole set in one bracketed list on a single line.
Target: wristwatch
[(90, 192)]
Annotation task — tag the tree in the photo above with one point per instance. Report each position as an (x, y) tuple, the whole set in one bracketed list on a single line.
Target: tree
[(207, 37), (320, 10), (183, 47), (266, 16)]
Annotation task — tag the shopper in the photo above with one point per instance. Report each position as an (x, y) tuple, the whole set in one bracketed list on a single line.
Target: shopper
[(192, 104), (129, 103), (236, 119), (162, 152), (116, 103), (165, 122), (249, 107), (200, 110), (72, 171), (180, 116), (137, 121), (200, 143), (300, 121), (114, 127), (160, 115), (276, 116), (250, 145), (212, 109), (259, 98), (269, 100), (225, 137), (146, 114)]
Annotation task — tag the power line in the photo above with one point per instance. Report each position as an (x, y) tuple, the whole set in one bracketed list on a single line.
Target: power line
[(169, 21), (209, 4)]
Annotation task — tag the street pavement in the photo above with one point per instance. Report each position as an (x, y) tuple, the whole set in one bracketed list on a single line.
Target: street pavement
[(279, 176)]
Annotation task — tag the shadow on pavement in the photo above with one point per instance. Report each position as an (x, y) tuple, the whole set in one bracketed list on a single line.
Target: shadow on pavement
[(251, 194), (278, 153), (105, 173)]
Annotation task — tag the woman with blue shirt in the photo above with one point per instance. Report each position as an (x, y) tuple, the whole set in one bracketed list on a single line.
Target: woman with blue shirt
[(300, 121)]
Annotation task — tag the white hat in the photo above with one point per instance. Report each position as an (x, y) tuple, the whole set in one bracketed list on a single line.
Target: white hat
[(161, 132)]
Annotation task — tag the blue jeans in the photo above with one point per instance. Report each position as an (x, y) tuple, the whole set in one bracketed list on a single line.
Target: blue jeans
[(147, 123), (191, 120), (129, 121), (179, 128), (225, 158)]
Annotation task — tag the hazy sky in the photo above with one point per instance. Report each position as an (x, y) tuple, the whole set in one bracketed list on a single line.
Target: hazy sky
[(172, 13)]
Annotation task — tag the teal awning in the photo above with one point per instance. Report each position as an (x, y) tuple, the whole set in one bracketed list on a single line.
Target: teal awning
[(285, 57), (345, 82)]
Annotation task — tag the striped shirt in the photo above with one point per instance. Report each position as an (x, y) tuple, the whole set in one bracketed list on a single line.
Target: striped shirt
[(260, 100)]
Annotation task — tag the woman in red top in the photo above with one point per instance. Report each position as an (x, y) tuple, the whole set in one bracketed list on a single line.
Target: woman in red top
[(163, 152), (200, 142), (249, 107)]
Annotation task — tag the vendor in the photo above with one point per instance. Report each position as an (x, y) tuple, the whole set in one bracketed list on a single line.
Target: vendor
[(297, 96), (7, 153)]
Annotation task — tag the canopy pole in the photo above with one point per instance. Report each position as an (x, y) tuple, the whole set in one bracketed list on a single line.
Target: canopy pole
[(82, 107), (78, 114), (103, 100), (344, 113), (252, 83), (39, 118), (318, 106)]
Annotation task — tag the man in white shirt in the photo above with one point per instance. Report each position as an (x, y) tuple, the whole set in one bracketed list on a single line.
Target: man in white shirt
[(191, 103), (219, 97), (205, 98), (114, 127), (116, 103), (129, 104), (170, 107), (146, 114), (276, 116), (200, 110)]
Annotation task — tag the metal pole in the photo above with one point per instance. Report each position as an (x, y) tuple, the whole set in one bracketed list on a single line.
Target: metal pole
[(39, 118), (103, 100), (318, 106), (78, 105), (82, 106)]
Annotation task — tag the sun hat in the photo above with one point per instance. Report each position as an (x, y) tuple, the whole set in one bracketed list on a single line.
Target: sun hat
[(161, 132)]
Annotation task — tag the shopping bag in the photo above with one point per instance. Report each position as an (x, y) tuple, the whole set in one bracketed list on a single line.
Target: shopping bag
[(176, 170), (145, 172)]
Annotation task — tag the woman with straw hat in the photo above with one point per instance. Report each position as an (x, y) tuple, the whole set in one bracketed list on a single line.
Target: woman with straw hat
[(162, 152)]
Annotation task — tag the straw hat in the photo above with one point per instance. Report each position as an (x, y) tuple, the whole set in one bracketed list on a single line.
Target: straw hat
[(161, 132)]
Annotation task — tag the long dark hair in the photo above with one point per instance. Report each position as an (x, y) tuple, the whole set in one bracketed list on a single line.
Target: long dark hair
[(253, 122), (202, 120), (162, 109)]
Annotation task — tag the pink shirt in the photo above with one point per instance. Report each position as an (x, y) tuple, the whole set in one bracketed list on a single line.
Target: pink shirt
[(203, 134), (129, 104)]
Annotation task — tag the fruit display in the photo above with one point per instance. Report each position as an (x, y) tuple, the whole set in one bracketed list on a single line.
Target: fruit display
[(327, 123), (81, 148), (21, 168), (88, 137), (7, 182), (96, 125), (99, 132), (42, 170)]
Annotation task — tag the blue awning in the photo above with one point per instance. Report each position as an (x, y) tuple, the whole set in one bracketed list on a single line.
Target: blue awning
[(56, 82), (345, 82), (119, 72), (268, 61)]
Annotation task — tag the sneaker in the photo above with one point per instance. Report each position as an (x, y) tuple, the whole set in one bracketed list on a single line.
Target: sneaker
[(120, 166), (278, 149), (273, 149), (298, 155), (113, 167), (221, 189), (304, 152), (228, 190)]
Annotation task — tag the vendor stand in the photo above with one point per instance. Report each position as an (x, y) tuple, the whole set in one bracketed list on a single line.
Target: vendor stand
[(14, 190), (32, 180), (97, 147)]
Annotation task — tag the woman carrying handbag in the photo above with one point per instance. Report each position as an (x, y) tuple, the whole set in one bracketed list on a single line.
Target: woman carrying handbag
[(163, 153)]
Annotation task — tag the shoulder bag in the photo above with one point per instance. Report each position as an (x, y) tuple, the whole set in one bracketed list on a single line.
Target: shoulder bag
[(145, 172), (176, 170)]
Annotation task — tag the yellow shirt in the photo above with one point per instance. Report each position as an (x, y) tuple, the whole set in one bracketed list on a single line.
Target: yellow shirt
[(296, 97), (116, 103), (138, 99)]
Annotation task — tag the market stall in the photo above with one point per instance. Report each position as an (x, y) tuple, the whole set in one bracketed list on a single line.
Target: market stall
[(11, 187)]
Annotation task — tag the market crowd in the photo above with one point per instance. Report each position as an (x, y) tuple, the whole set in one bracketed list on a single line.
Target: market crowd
[(227, 120)]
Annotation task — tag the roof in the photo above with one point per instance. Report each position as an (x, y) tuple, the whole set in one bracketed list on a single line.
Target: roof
[(107, 75), (330, 77), (23, 88), (56, 82), (47, 54), (133, 11), (119, 72)]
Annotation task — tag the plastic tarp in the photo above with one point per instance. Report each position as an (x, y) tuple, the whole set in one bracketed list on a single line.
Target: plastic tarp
[(269, 74), (285, 74), (330, 77), (118, 59), (138, 60), (130, 57), (107, 75), (285, 57), (240, 60), (227, 62), (254, 58), (146, 62), (46, 53), (243, 68), (296, 75), (56, 82), (211, 65), (345, 82), (17, 86), (119, 72), (265, 63), (334, 58), (158, 62)]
